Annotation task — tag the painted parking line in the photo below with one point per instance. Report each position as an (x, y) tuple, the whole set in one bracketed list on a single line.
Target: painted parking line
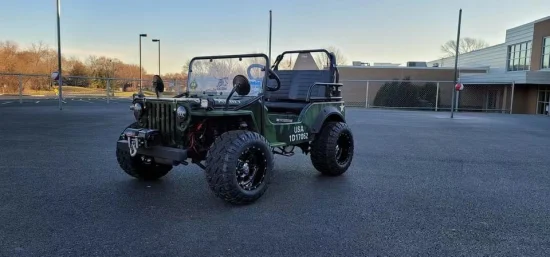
[(7, 103)]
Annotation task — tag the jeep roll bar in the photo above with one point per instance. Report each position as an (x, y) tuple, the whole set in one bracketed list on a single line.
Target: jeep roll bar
[(331, 57)]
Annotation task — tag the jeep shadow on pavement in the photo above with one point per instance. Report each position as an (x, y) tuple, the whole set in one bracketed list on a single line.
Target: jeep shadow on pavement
[(233, 134)]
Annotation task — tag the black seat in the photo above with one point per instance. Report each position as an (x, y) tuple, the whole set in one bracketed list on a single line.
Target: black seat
[(295, 84)]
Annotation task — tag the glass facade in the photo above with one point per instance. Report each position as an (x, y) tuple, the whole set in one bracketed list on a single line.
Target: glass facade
[(543, 102), (546, 53), (519, 56)]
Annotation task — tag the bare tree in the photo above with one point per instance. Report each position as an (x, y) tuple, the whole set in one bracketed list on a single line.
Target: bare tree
[(341, 58), (322, 60), (185, 66), (9, 51), (467, 44)]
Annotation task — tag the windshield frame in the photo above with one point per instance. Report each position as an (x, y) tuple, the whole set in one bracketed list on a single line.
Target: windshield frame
[(234, 56)]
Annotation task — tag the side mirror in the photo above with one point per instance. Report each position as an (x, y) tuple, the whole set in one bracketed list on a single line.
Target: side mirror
[(241, 85), (158, 84)]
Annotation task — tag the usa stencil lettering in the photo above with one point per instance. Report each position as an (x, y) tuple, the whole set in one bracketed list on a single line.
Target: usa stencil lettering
[(299, 134)]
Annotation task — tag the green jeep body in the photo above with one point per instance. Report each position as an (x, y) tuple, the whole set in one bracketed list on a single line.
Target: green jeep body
[(213, 124)]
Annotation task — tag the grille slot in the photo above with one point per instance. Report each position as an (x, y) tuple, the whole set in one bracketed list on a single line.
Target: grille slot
[(161, 117)]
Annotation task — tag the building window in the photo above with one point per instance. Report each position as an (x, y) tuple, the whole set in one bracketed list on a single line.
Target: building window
[(519, 56), (546, 53)]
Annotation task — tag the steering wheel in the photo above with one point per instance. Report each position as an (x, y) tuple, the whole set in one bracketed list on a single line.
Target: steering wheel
[(271, 75)]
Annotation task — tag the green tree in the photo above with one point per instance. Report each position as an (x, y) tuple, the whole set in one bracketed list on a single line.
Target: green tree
[(403, 93)]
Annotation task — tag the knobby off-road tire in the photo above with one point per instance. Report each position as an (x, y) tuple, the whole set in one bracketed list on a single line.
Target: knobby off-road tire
[(332, 150), (226, 172), (136, 167)]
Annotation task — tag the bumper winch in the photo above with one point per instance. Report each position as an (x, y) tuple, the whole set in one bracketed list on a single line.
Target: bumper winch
[(147, 142)]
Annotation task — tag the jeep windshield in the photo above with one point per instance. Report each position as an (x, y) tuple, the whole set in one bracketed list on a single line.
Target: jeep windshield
[(214, 75)]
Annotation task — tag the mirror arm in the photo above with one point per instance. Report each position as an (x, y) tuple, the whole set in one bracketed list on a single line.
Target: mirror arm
[(229, 97)]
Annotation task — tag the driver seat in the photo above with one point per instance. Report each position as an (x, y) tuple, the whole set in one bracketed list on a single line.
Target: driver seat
[(292, 95)]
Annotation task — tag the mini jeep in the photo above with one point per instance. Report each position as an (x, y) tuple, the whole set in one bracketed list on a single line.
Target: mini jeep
[(235, 115)]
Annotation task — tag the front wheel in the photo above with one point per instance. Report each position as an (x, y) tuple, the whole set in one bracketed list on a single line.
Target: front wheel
[(332, 150), (239, 166), (138, 166)]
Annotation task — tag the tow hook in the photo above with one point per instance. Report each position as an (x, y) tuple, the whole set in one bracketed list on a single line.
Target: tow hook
[(133, 145)]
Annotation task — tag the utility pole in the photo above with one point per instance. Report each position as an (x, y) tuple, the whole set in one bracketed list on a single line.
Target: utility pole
[(456, 63)]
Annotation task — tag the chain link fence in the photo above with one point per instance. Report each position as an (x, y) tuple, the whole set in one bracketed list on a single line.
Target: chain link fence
[(36, 86), (485, 98), (427, 95), (394, 94)]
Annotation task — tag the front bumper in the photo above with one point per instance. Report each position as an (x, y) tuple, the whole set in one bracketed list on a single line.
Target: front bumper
[(146, 142)]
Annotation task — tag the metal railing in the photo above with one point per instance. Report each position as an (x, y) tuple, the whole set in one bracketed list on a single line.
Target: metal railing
[(427, 95), (31, 86)]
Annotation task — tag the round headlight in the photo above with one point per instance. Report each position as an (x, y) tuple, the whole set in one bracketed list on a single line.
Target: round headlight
[(181, 112), (138, 110)]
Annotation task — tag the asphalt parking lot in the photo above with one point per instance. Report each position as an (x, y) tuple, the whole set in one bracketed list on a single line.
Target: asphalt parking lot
[(420, 185)]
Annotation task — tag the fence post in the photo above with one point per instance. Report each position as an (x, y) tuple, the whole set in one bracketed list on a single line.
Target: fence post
[(367, 95), (108, 89), (20, 78), (437, 97), (512, 100)]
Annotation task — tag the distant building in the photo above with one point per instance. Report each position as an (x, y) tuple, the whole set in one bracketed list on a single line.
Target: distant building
[(523, 59), (521, 63), (366, 85)]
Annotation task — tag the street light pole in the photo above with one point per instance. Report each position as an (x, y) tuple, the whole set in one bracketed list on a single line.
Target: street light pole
[(60, 80), (140, 75), (158, 40)]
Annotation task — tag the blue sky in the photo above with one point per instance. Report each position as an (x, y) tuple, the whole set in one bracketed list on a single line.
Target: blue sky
[(366, 30)]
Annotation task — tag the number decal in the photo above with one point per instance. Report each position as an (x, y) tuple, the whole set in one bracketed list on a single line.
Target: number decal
[(299, 134)]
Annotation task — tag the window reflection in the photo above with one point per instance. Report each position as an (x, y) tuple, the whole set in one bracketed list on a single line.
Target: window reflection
[(519, 56)]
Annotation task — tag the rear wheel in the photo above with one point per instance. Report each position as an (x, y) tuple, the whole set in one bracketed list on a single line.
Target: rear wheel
[(239, 166), (139, 166), (332, 150)]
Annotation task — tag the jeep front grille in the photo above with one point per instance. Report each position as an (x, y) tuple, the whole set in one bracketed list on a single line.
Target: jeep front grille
[(161, 116)]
